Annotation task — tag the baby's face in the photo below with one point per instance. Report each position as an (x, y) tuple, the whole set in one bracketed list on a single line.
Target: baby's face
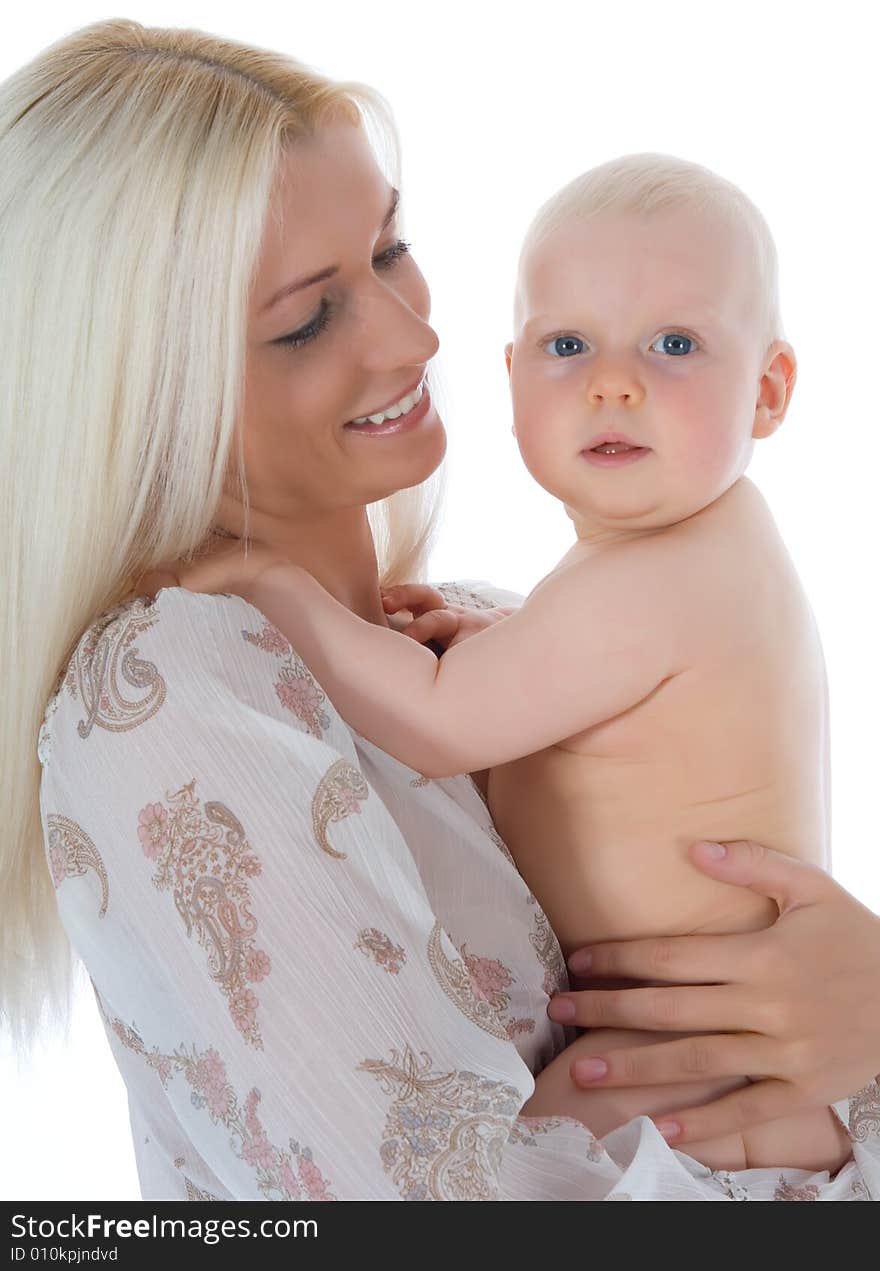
[(646, 328)]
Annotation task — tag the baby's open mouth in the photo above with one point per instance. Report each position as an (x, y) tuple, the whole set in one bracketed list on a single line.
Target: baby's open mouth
[(613, 448)]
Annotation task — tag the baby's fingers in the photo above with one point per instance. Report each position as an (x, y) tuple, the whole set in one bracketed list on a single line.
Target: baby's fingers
[(440, 625), (152, 582), (416, 598)]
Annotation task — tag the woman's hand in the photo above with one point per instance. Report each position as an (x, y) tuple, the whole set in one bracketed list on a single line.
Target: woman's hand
[(433, 619), (226, 569), (801, 996)]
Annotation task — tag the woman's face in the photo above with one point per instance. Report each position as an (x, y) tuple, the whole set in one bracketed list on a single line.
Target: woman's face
[(338, 330)]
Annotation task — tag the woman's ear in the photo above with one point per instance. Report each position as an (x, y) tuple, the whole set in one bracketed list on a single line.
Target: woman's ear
[(775, 388)]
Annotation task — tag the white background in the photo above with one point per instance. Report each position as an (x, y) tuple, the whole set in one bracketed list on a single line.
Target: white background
[(499, 104)]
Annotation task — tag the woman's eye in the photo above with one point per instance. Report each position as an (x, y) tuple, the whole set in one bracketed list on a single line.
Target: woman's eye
[(565, 346), (674, 343), (392, 255), (312, 329)]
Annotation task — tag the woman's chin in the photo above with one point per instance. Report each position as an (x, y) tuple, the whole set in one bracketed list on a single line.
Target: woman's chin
[(401, 468)]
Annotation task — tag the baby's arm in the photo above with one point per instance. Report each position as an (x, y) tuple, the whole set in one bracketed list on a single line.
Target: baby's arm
[(591, 642)]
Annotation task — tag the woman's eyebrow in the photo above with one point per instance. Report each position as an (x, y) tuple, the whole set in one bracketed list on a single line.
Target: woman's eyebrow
[(299, 284)]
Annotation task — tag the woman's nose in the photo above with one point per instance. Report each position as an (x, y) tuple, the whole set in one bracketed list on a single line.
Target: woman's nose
[(395, 332)]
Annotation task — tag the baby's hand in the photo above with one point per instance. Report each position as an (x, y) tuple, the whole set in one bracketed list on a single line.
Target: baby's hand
[(226, 570), (434, 619)]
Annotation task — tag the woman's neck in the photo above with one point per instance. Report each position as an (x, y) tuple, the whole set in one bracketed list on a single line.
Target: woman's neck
[(337, 548)]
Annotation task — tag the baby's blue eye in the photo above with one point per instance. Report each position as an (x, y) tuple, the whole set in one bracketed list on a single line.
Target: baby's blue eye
[(674, 343), (565, 346)]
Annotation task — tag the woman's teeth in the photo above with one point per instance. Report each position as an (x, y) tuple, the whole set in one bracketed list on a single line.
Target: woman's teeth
[(403, 407)]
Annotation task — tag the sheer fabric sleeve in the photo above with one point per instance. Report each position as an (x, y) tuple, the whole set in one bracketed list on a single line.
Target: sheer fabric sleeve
[(263, 949)]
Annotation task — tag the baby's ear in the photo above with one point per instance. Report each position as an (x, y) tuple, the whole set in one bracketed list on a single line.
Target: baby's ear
[(775, 388), (508, 351)]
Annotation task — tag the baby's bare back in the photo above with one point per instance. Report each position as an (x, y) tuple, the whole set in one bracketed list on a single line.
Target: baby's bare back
[(733, 746)]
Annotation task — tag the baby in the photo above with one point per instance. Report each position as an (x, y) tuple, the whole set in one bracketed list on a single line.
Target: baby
[(664, 683)]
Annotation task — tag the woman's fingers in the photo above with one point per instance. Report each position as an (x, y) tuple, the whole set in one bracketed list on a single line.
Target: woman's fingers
[(665, 1009), (752, 1105), (672, 1063), (678, 959), (743, 863)]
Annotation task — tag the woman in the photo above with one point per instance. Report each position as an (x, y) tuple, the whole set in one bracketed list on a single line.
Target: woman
[(320, 974)]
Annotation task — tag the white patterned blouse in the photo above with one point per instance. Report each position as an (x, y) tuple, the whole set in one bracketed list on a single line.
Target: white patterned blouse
[(320, 974)]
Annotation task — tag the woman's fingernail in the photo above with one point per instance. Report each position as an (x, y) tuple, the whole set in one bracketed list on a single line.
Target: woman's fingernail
[(580, 962), (669, 1129), (561, 1009), (715, 850), (590, 1069)]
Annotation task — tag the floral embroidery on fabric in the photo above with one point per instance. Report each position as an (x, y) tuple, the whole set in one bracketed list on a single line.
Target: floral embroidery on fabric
[(281, 1174), (789, 1191), (545, 944), (46, 737), (340, 793), (525, 1129), (296, 688), (192, 1192), (477, 987), (376, 945), (445, 1131), (731, 1184), (203, 856), (418, 782), (455, 594), (497, 839), (70, 852), (104, 660), (864, 1112)]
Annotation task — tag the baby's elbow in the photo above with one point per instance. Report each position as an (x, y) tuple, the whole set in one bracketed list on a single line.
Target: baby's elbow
[(437, 759)]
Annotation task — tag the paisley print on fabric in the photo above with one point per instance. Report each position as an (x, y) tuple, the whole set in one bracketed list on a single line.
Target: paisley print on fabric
[(106, 663), (282, 1173), (202, 856), (477, 986), (296, 688), (376, 945), (545, 944), (71, 853), (864, 1112), (445, 1131), (340, 793), (790, 1191), (192, 1192), (526, 1130)]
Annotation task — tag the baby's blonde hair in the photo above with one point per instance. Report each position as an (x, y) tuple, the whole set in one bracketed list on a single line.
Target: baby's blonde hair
[(644, 184), (137, 169)]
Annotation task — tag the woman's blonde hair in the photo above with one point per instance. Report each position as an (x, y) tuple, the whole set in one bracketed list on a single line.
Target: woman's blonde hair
[(136, 171), (644, 184)]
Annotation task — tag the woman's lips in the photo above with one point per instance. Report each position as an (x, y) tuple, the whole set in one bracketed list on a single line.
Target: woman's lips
[(402, 423)]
